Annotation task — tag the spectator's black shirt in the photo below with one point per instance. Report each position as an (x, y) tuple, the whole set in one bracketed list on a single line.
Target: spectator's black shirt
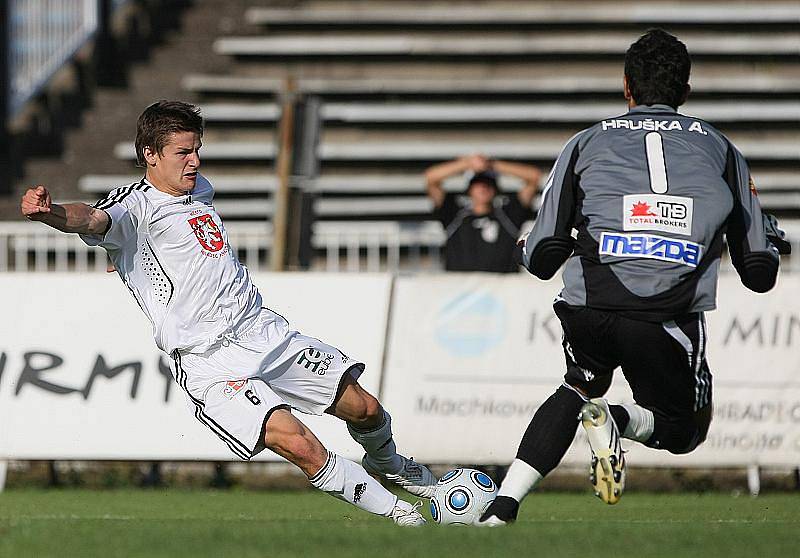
[(481, 242)]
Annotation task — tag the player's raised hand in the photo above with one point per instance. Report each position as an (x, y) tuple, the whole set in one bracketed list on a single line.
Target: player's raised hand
[(36, 202)]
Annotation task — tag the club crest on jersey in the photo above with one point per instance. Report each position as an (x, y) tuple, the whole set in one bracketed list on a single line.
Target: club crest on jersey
[(651, 247), (232, 388), (207, 232), (655, 212), (752, 186)]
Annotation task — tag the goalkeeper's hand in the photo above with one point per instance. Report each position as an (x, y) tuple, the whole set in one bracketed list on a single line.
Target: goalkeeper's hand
[(519, 250), (775, 235)]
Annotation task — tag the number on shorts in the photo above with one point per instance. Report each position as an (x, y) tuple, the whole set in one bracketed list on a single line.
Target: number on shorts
[(252, 397)]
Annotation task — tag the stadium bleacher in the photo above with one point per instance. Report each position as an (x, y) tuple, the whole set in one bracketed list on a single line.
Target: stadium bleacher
[(405, 85)]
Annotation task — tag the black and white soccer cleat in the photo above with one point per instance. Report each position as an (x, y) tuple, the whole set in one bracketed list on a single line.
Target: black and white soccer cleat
[(607, 472)]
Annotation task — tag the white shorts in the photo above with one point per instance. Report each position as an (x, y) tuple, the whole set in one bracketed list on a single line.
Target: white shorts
[(253, 377)]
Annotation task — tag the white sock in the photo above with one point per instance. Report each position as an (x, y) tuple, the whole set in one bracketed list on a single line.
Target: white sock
[(379, 445), (641, 423), (520, 479), (348, 481)]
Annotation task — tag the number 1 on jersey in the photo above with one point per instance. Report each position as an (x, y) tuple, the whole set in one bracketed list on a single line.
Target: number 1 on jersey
[(655, 163)]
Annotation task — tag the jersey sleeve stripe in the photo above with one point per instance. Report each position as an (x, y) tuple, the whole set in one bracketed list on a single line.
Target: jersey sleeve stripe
[(113, 197), (116, 196)]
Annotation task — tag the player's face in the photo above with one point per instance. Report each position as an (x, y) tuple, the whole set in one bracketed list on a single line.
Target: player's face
[(175, 169)]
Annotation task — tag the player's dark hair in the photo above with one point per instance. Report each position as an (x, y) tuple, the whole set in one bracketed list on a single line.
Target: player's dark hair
[(657, 67), (159, 121)]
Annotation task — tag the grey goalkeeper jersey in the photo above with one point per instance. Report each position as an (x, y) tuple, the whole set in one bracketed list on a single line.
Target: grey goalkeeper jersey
[(650, 195)]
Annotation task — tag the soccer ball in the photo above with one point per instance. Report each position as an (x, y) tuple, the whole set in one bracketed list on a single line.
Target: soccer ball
[(461, 497)]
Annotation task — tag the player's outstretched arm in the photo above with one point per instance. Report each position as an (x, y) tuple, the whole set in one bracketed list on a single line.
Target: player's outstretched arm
[(753, 256), (37, 205)]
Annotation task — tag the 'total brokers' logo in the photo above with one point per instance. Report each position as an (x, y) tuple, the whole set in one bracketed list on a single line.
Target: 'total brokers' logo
[(655, 212)]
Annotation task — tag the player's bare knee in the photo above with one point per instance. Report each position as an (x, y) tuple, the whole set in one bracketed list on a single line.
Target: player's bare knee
[(289, 438), (299, 447), (372, 410), (362, 409)]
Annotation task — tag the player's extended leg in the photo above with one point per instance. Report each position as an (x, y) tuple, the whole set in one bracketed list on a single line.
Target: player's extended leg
[(371, 426), (665, 365), (543, 445), (331, 473)]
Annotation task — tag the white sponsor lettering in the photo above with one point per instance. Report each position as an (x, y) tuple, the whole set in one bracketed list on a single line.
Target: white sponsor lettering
[(651, 125), (651, 247)]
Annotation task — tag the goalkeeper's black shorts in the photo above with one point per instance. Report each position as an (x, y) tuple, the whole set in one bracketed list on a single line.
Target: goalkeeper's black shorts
[(664, 363)]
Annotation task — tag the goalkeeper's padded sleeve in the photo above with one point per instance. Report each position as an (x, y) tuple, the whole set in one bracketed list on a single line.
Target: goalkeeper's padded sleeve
[(752, 253)]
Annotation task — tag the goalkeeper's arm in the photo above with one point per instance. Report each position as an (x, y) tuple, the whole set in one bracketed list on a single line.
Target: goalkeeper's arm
[(775, 235), (750, 233)]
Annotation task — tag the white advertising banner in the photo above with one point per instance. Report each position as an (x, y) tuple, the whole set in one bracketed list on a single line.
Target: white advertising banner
[(471, 357), (81, 378)]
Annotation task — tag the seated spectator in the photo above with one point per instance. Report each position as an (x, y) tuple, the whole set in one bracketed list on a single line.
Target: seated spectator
[(483, 226)]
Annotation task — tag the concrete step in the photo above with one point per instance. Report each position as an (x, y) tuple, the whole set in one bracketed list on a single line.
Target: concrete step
[(241, 112), (497, 113), (336, 233), (531, 13), (576, 112), (600, 44), (371, 206), (436, 151), (763, 151), (752, 83)]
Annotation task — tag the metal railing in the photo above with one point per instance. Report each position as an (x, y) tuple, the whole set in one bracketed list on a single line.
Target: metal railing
[(26, 247), (43, 35), (379, 246)]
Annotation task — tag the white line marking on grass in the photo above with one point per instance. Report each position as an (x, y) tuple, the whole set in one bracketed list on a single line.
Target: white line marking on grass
[(661, 521), (109, 517)]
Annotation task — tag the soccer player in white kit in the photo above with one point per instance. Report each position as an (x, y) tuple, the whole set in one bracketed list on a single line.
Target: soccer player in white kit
[(241, 366)]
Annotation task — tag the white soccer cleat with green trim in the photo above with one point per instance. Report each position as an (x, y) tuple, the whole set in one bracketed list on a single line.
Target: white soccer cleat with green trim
[(607, 473)]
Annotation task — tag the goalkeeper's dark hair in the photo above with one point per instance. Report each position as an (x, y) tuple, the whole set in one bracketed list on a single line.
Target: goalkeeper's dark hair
[(657, 67), (159, 121)]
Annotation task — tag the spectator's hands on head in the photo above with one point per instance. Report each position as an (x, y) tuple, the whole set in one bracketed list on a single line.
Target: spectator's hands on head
[(478, 162)]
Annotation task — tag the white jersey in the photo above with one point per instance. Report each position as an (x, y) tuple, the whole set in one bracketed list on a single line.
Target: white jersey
[(172, 253)]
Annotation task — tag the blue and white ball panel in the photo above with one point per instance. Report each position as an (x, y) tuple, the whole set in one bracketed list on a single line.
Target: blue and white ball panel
[(435, 511), (458, 500), (461, 496), (483, 481), (449, 475)]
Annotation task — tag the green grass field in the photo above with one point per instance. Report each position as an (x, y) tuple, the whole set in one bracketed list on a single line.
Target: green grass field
[(173, 523)]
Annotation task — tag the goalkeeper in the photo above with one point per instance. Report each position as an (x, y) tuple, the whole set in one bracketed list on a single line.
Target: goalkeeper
[(651, 194)]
